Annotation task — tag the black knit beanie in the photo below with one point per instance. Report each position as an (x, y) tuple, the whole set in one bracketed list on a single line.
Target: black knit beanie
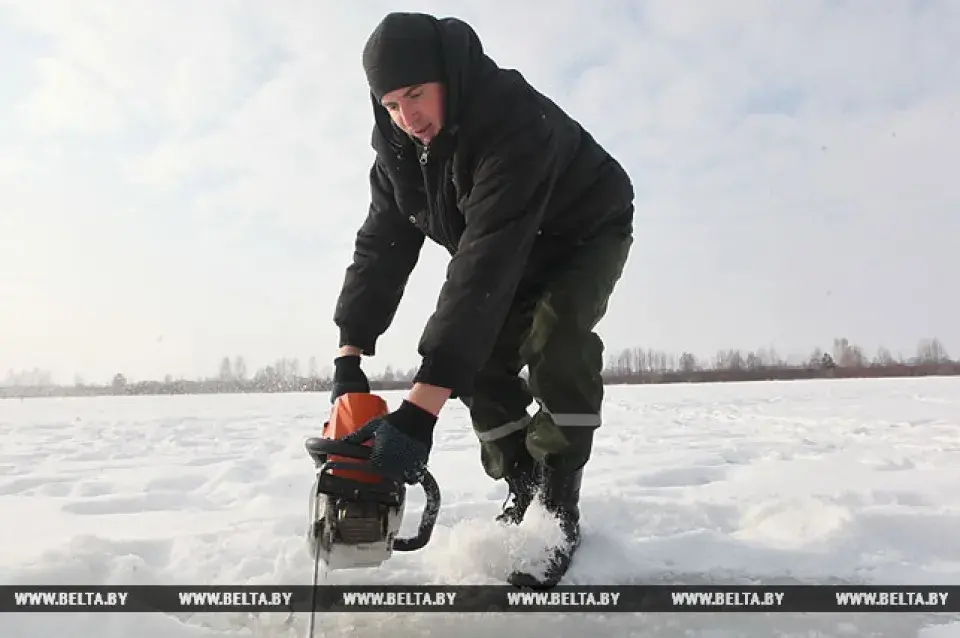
[(403, 50)]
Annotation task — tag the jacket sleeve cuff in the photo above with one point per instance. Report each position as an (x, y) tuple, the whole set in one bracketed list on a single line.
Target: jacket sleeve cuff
[(368, 345), (445, 373)]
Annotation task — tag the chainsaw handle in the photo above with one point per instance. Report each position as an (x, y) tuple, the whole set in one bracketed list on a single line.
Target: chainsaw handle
[(319, 448), (427, 520)]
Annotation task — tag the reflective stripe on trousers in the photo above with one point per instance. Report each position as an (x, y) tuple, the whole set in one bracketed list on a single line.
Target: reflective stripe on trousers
[(561, 419)]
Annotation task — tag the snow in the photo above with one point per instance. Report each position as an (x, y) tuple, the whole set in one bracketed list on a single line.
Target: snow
[(854, 481)]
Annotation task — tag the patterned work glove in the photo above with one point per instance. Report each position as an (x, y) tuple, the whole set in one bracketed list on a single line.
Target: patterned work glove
[(401, 441), (348, 377)]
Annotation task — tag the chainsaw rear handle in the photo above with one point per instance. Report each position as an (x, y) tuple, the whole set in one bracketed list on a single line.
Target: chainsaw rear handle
[(320, 448), (427, 520)]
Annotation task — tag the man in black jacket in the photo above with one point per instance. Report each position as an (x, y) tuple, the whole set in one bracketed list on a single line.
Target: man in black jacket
[(537, 218)]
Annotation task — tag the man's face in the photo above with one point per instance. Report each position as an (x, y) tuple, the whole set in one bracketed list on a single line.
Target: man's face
[(417, 110)]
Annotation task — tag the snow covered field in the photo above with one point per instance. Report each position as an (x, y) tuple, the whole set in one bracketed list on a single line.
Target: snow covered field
[(823, 481)]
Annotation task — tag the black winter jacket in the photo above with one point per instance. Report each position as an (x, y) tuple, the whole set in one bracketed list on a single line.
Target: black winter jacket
[(509, 170)]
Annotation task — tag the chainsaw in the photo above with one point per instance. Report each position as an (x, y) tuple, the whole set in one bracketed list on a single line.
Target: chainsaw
[(355, 510)]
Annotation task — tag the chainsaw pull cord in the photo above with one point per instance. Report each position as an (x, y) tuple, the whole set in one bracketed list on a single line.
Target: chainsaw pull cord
[(316, 572)]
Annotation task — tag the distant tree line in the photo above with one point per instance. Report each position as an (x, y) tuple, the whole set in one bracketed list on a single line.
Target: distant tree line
[(628, 366), (843, 360)]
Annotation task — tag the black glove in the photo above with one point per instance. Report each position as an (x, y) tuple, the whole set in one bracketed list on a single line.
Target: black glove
[(401, 441), (348, 377)]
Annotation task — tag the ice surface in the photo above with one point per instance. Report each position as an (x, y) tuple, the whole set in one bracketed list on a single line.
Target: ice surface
[(821, 481)]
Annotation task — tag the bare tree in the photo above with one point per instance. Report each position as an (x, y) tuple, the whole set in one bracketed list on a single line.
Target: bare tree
[(884, 358), (847, 355), (932, 351), (688, 362), (226, 371), (240, 368)]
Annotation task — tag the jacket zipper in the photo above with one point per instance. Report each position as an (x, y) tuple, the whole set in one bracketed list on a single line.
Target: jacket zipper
[(435, 193)]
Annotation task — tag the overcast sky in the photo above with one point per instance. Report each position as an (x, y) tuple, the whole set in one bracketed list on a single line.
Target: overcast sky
[(183, 180)]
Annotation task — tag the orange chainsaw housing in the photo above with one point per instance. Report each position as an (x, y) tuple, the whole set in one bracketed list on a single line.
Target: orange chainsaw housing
[(348, 414)]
